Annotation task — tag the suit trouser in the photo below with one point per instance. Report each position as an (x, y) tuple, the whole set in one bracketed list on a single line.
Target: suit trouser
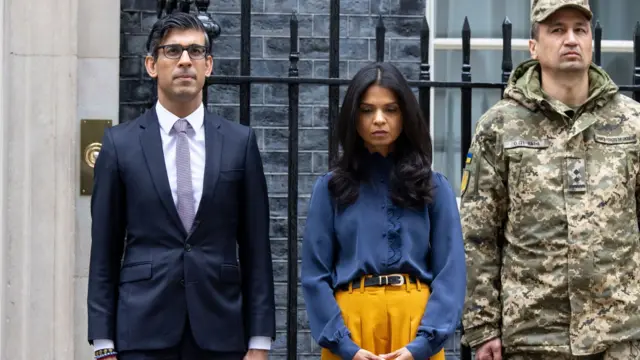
[(629, 350), (383, 319), (188, 349)]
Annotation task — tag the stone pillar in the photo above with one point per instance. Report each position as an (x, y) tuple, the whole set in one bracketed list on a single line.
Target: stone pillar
[(98, 90), (38, 174), (59, 64), (4, 286)]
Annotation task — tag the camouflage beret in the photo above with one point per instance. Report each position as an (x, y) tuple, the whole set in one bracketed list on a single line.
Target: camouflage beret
[(541, 9)]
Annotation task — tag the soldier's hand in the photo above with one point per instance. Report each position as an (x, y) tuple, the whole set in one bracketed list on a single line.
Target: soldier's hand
[(491, 350)]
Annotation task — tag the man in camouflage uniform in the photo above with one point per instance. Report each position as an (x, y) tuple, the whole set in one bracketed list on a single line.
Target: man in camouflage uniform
[(549, 206)]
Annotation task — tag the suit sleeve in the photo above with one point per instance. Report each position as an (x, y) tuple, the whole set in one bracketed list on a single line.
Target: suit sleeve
[(483, 212), (325, 318), (108, 215), (255, 248), (444, 308)]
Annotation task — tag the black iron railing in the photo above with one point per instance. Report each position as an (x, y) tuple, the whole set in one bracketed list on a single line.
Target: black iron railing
[(333, 82)]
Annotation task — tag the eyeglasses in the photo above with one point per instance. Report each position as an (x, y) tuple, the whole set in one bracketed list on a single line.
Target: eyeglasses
[(174, 51)]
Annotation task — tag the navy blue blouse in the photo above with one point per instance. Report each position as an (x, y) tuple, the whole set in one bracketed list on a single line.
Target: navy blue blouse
[(374, 237)]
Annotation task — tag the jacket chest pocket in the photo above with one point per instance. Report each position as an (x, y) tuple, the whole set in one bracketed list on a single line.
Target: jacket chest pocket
[(532, 172), (612, 169)]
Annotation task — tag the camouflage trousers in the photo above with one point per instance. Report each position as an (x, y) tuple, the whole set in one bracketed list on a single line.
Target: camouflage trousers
[(621, 351)]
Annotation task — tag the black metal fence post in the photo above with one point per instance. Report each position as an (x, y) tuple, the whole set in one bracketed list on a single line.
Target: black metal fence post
[(465, 118), (424, 92), (636, 62), (380, 32), (245, 61), (292, 197), (507, 63), (334, 72), (597, 47), (465, 121)]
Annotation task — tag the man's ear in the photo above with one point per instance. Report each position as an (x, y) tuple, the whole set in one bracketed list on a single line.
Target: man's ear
[(533, 45), (150, 65), (209, 65)]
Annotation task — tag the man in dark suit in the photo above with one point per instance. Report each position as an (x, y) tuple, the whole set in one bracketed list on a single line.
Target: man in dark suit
[(179, 196)]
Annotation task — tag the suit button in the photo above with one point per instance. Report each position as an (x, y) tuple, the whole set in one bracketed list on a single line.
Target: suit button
[(187, 247)]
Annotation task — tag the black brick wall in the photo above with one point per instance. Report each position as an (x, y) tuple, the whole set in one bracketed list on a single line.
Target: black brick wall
[(269, 57)]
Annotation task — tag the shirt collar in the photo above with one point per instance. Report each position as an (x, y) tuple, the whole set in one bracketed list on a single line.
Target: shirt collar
[(167, 119)]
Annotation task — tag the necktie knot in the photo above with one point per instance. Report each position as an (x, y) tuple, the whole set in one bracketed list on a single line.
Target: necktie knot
[(181, 126)]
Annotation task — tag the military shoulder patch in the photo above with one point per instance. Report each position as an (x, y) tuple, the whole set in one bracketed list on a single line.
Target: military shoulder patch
[(464, 182), (615, 140), (469, 158)]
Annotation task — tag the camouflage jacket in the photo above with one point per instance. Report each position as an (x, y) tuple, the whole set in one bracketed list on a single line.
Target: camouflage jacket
[(550, 220)]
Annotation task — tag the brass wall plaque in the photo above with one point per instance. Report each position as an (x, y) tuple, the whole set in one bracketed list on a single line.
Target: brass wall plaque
[(91, 132)]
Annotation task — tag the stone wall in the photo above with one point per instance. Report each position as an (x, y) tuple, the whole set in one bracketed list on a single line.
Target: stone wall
[(269, 57)]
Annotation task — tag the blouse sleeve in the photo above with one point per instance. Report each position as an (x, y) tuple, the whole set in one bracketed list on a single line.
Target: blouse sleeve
[(325, 318), (447, 261)]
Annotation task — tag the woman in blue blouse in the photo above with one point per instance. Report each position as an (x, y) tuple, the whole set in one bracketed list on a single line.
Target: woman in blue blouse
[(383, 234)]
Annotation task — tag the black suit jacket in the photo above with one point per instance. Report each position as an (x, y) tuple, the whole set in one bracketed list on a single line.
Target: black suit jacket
[(147, 274)]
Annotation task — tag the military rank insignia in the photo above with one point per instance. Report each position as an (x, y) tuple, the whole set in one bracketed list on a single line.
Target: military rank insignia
[(576, 175), (465, 181)]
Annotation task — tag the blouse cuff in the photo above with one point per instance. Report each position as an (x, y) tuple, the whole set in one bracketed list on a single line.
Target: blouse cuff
[(420, 348), (346, 348)]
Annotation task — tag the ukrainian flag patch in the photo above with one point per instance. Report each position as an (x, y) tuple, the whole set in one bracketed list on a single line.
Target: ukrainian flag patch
[(469, 158), (464, 182)]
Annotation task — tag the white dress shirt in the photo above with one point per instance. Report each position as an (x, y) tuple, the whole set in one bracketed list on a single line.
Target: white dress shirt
[(197, 153)]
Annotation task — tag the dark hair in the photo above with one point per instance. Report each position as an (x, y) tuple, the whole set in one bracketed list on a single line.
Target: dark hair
[(175, 20), (410, 179), (535, 30)]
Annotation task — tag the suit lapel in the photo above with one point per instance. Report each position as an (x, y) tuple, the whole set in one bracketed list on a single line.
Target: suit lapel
[(213, 151), (154, 155)]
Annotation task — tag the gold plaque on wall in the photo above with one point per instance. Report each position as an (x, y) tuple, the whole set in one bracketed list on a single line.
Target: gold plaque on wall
[(91, 132)]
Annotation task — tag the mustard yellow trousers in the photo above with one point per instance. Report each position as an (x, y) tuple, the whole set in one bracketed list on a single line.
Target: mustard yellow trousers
[(383, 319)]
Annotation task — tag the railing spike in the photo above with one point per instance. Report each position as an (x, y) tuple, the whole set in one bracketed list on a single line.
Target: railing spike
[(465, 26), (425, 24)]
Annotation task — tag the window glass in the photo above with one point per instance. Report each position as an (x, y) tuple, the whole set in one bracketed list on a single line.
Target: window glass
[(618, 18), (485, 17), (620, 67)]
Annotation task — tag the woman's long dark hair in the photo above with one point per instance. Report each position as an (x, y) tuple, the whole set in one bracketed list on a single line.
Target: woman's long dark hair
[(410, 179)]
